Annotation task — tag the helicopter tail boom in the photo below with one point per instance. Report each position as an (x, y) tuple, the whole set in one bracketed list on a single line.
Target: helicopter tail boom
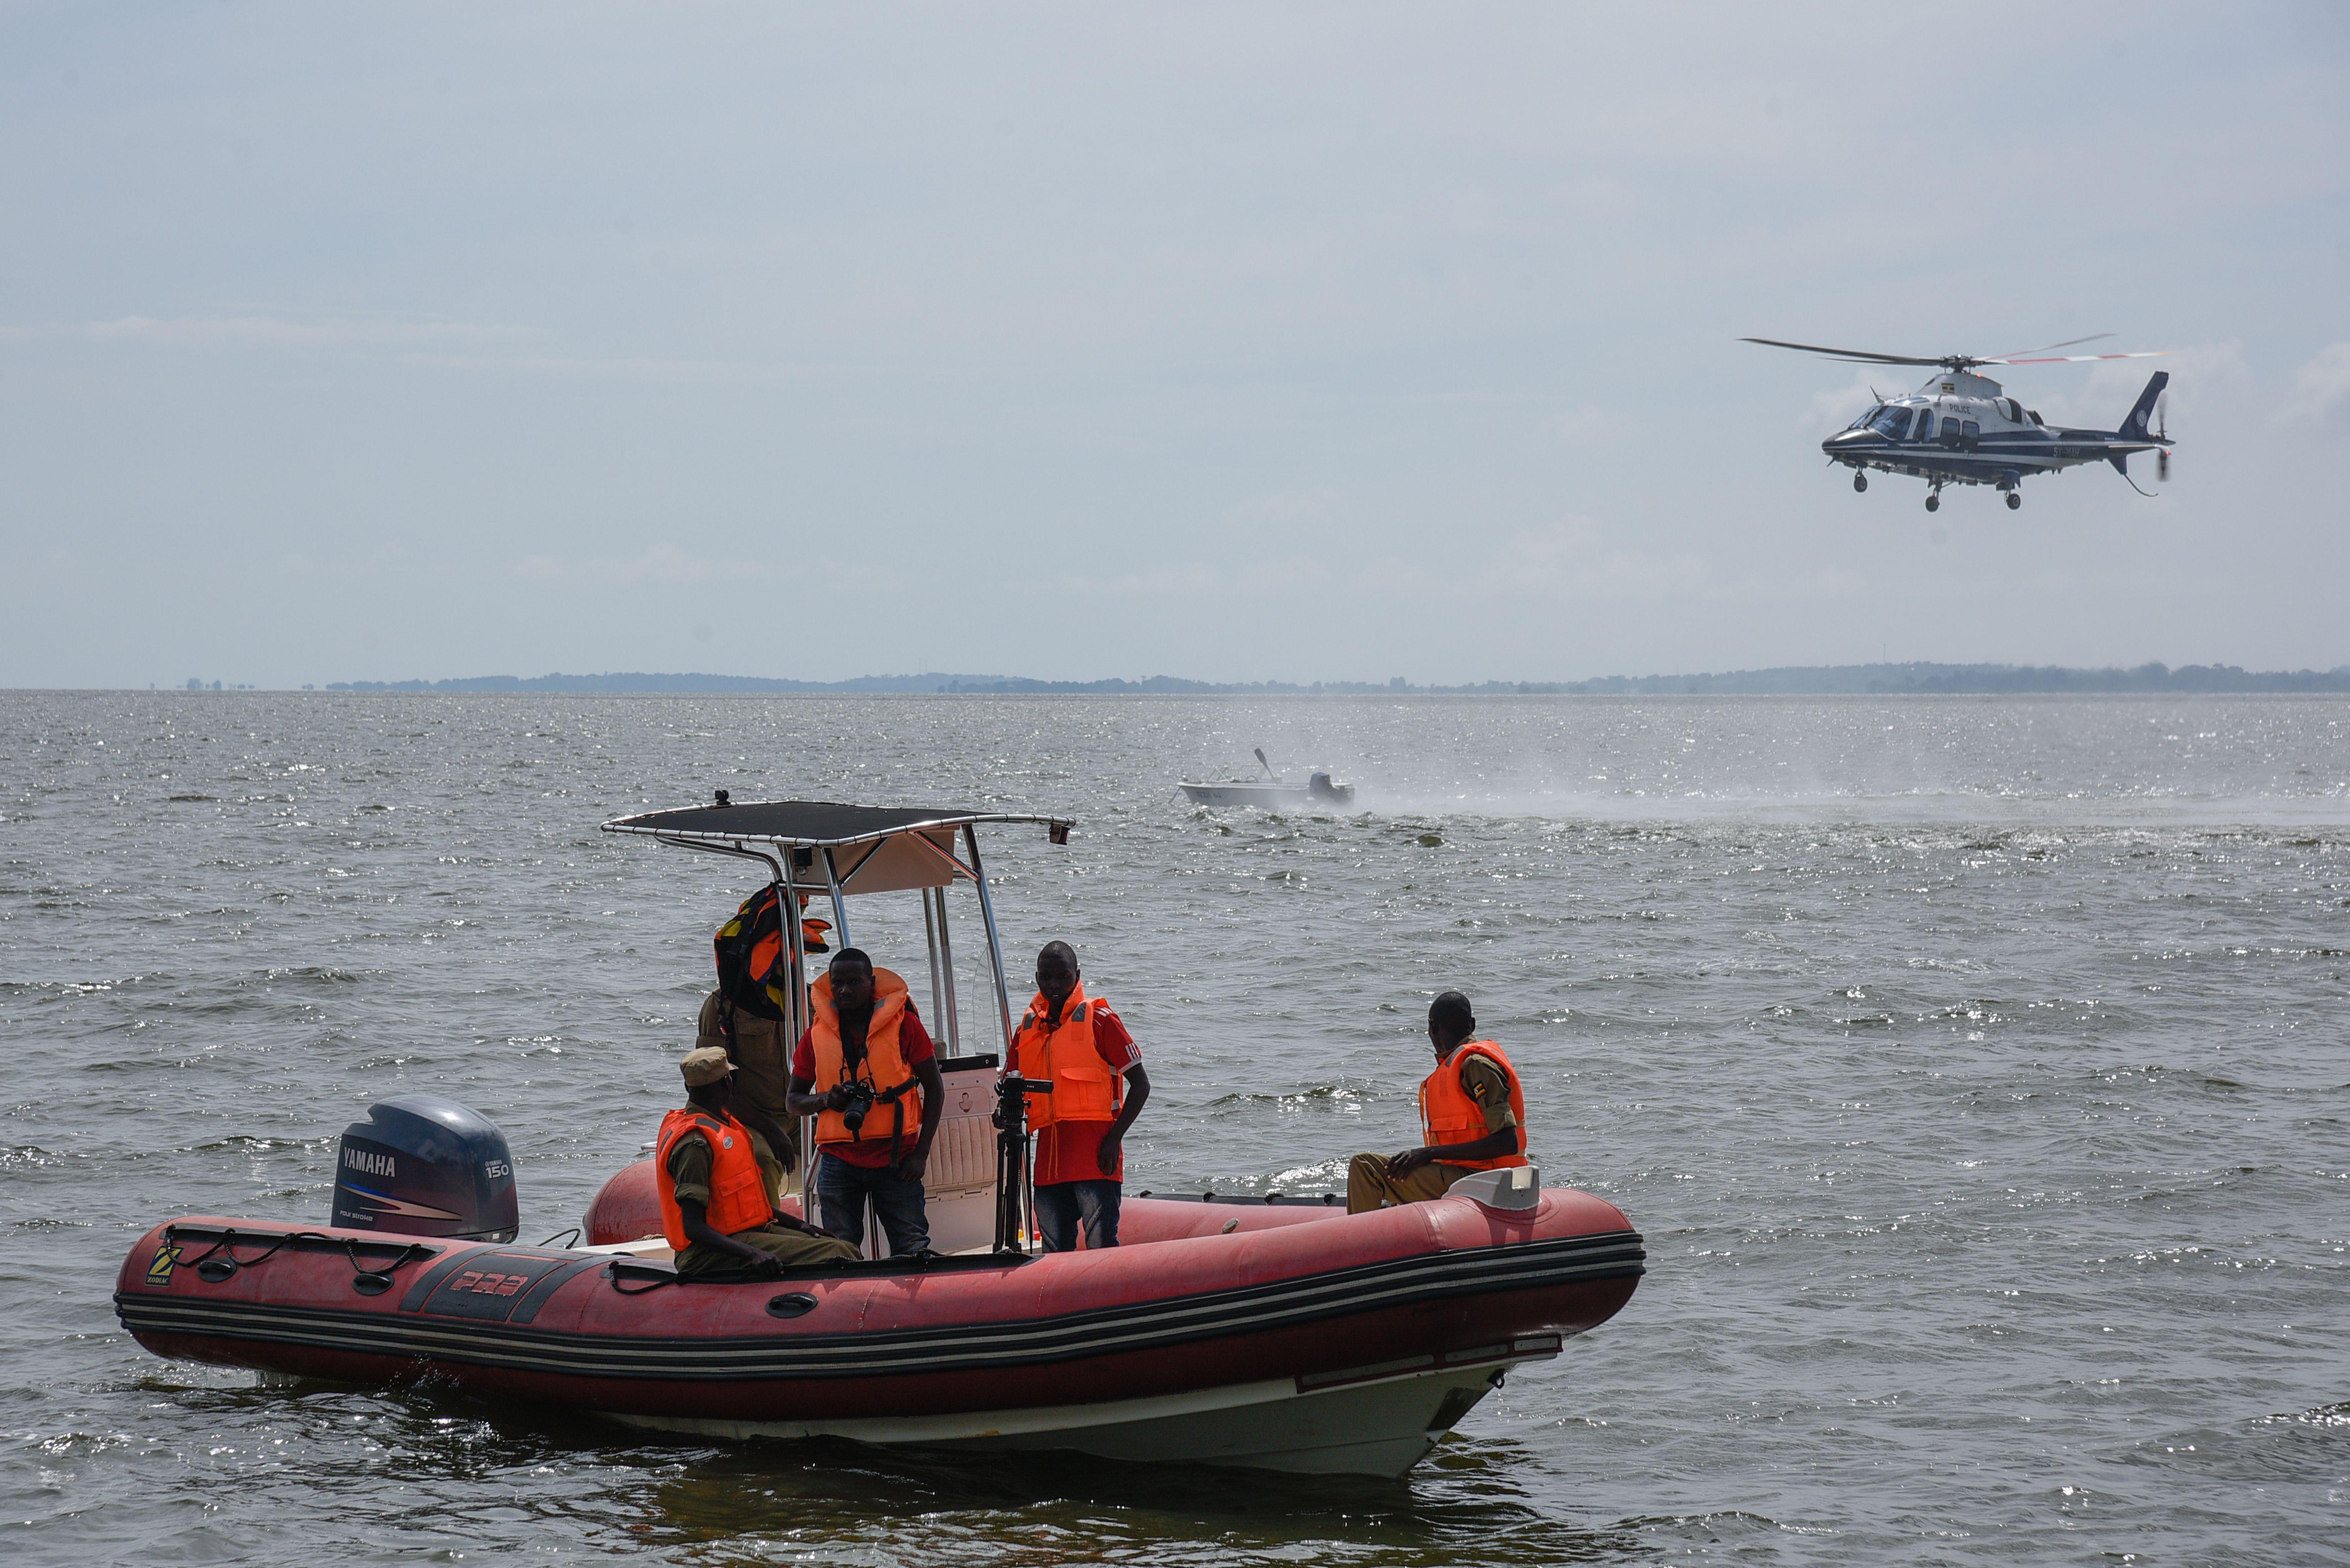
[(2134, 428)]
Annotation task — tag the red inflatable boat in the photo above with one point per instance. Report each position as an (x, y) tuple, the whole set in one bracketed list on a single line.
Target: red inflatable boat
[(1301, 1340), (1279, 1333)]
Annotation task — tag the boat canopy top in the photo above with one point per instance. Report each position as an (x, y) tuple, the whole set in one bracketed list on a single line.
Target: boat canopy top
[(869, 849)]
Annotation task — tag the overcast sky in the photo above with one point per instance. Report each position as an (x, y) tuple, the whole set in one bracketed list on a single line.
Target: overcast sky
[(1235, 341)]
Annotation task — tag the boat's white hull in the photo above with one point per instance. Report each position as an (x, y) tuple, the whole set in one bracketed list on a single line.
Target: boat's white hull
[(1272, 797), (1375, 1421)]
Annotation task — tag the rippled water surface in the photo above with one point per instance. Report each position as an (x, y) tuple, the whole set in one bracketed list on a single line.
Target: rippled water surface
[(1976, 1069)]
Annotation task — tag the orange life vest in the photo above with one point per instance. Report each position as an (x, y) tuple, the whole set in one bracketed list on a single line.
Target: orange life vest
[(1085, 1087), (738, 1190), (883, 1067), (1448, 1116)]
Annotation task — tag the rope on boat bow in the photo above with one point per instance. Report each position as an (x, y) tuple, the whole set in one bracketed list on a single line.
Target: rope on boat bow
[(375, 1281), (214, 1269), (218, 1262)]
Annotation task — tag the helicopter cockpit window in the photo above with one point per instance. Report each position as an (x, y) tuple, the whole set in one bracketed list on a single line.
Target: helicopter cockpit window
[(1861, 422), (1926, 426), (1891, 423)]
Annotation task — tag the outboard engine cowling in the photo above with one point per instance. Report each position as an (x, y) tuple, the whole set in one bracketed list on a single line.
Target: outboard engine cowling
[(425, 1166)]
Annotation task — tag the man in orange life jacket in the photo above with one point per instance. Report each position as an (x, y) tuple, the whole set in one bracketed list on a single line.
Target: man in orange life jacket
[(713, 1196), (1098, 1088), (1473, 1116), (879, 1105)]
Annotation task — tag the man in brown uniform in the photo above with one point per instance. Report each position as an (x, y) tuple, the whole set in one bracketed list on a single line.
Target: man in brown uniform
[(1480, 1077), (688, 1162), (762, 1074)]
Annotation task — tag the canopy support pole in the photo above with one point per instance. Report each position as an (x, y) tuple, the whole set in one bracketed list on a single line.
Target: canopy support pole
[(1026, 1196), (946, 970), (839, 904), (994, 943), (938, 987), (795, 1023)]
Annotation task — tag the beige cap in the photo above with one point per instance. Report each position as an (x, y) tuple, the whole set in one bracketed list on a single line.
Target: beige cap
[(705, 1064)]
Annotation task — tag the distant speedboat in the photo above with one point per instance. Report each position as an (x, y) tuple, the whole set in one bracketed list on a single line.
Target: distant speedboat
[(1271, 791)]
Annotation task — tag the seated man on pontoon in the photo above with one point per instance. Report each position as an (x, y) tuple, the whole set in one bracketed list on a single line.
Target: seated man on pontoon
[(1473, 1116), (713, 1197), (867, 1071)]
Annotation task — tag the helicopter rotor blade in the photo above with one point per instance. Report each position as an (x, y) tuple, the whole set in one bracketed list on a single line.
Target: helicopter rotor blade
[(1851, 355), (2007, 353), (2077, 359)]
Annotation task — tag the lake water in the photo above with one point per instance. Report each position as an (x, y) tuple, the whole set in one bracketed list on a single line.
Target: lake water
[(1978, 1070)]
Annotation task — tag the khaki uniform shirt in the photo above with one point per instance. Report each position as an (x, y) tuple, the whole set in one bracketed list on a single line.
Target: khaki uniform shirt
[(1490, 1088), (763, 1057), (689, 1171), (689, 1167)]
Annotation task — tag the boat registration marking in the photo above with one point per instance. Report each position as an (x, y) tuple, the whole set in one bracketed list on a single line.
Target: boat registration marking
[(492, 1284)]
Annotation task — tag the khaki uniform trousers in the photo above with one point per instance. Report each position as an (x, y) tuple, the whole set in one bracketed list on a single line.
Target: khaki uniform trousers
[(794, 1247), (1369, 1185)]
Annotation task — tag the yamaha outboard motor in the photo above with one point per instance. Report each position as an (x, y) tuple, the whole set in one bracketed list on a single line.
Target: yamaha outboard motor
[(424, 1166)]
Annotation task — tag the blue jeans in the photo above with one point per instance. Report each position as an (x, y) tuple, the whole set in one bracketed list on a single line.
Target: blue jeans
[(841, 1189), (1060, 1205)]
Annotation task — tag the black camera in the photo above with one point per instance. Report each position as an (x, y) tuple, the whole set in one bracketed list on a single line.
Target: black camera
[(861, 1103)]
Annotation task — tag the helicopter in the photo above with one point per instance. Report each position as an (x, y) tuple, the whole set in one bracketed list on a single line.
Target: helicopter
[(1960, 428)]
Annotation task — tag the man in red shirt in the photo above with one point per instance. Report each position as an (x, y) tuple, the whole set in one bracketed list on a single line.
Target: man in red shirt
[(1098, 1088), (879, 1105)]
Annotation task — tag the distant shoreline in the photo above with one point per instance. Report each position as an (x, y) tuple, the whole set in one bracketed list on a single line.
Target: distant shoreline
[(1797, 680)]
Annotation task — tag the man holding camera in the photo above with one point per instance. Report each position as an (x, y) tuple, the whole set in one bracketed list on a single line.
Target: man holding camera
[(879, 1105), (713, 1197)]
